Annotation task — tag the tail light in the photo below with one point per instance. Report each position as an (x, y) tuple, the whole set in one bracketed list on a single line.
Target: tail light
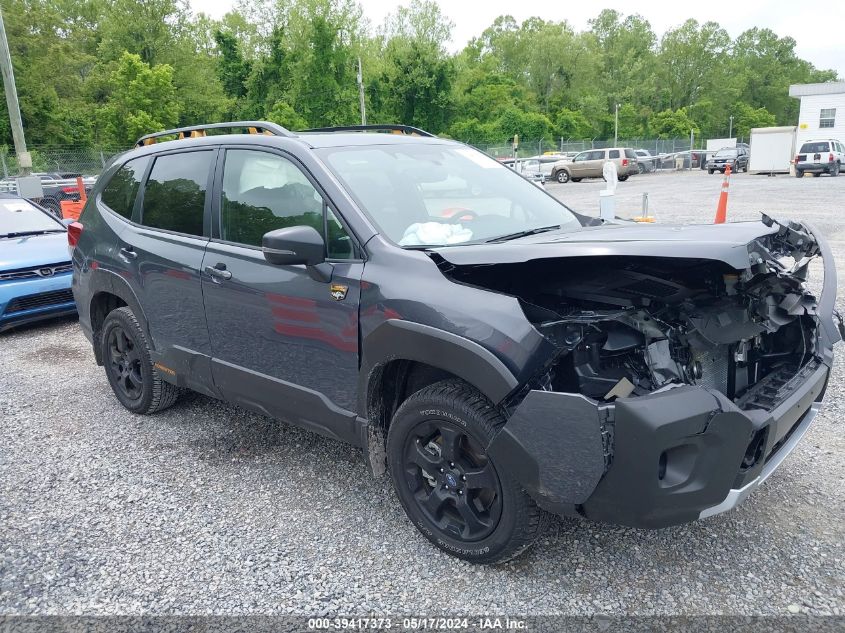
[(830, 158), (70, 189), (74, 232), (624, 162), (796, 159)]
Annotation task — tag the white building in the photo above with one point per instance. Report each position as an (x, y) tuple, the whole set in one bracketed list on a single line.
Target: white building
[(822, 113)]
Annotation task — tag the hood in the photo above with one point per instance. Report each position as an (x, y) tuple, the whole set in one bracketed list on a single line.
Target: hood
[(728, 243), (33, 250)]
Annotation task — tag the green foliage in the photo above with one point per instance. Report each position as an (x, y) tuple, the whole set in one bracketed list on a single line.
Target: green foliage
[(746, 117), (142, 100), (672, 124), (91, 72)]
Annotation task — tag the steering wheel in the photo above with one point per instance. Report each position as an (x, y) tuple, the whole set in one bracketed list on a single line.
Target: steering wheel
[(458, 214)]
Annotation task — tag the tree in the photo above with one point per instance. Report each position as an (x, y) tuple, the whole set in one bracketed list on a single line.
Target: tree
[(746, 117), (143, 100), (672, 124), (283, 114)]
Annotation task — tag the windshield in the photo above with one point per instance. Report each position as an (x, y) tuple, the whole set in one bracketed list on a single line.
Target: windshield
[(726, 153), (434, 195), (19, 216), (814, 148)]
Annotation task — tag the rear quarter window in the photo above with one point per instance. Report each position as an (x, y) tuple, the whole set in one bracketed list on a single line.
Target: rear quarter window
[(614, 153), (174, 195), (122, 188)]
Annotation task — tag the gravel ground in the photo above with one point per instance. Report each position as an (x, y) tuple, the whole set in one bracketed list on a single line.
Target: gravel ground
[(206, 508)]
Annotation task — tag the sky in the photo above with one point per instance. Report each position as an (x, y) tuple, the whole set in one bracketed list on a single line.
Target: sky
[(818, 29)]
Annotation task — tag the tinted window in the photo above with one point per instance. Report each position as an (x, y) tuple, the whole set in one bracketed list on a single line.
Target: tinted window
[(119, 194), (614, 153), (263, 192), (174, 195), (814, 147), (338, 243)]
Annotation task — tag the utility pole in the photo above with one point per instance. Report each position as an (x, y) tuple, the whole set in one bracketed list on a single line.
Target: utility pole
[(361, 94), (731, 127), (24, 159), (616, 127)]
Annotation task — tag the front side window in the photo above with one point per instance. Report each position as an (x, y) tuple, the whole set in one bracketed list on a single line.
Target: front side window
[(174, 195), (827, 118), (421, 194), (119, 194), (263, 192)]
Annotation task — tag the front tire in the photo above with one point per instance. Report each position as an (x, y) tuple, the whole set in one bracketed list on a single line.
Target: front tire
[(710, 171), (562, 176), (129, 366), (452, 491)]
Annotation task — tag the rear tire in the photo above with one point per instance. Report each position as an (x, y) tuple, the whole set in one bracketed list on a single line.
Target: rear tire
[(835, 171), (453, 492), (816, 174), (710, 171), (622, 178), (799, 173), (129, 366)]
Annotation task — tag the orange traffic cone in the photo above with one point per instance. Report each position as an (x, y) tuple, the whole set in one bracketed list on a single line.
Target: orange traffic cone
[(722, 207)]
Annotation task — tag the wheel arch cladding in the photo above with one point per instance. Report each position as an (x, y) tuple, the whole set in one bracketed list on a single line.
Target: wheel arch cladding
[(396, 340), (109, 291)]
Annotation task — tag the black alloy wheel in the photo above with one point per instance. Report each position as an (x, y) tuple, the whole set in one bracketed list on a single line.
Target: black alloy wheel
[(454, 484), (124, 364)]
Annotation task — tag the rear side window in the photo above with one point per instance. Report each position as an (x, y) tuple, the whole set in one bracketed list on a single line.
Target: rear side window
[(120, 192), (174, 195), (814, 147), (614, 153), (632, 154)]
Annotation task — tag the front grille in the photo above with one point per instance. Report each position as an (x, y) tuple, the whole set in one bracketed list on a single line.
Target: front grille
[(41, 300), (33, 272)]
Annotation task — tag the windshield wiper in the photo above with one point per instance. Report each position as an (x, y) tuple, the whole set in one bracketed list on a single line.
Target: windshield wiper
[(25, 233), (513, 236)]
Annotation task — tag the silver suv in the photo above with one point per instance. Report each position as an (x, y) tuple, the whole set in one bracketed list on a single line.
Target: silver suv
[(590, 164)]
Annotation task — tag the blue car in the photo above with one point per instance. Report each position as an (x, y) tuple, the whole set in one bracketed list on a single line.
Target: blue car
[(35, 269)]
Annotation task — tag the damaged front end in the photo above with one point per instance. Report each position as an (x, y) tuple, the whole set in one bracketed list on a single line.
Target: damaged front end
[(675, 382)]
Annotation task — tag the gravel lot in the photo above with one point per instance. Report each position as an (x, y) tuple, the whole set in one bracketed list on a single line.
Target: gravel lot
[(206, 508)]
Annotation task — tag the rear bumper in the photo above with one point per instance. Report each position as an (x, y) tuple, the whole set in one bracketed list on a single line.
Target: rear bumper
[(813, 168)]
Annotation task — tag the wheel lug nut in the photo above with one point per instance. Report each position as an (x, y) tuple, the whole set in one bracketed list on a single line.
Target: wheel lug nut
[(447, 487), (451, 464), (463, 477), (460, 492), (442, 471)]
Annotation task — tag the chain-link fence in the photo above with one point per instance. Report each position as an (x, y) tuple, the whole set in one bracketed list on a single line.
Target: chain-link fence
[(59, 161)]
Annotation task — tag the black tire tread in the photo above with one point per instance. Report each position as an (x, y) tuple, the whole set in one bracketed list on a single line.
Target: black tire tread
[(164, 394), (479, 408)]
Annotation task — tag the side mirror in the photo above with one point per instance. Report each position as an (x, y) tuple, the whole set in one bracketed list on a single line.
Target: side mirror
[(294, 245)]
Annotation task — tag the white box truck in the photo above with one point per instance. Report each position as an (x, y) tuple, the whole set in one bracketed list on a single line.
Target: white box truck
[(772, 149)]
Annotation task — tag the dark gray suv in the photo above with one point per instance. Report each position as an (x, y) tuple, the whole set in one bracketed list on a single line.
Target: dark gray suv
[(497, 353)]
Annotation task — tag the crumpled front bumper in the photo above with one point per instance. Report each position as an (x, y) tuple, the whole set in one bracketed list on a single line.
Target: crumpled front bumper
[(666, 458)]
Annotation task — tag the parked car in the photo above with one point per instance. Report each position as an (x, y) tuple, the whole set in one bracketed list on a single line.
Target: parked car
[(495, 352), (590, 164), (645, 161), (57, 186), (820, 157), (736, 157), (35, 269)]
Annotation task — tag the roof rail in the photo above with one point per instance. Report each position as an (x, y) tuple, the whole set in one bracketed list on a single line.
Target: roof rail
[(392, 129), (195, 131)]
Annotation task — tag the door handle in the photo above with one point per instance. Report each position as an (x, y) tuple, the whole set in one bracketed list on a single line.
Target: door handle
[(218, 272), (127, 252)]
